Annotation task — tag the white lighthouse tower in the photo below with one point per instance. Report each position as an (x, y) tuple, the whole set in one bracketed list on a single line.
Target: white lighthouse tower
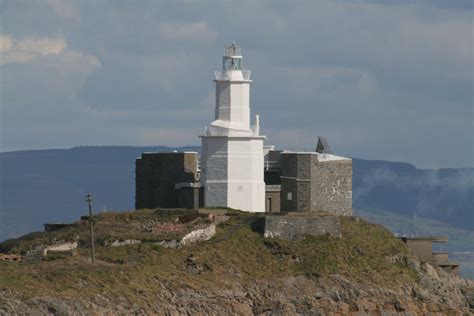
[(232, 150)]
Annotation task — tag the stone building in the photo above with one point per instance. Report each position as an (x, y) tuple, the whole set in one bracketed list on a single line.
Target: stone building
[(236, 170), (167, 180), (315, 182)]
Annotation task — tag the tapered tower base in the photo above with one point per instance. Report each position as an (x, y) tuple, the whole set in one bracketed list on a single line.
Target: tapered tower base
[(232, 170)]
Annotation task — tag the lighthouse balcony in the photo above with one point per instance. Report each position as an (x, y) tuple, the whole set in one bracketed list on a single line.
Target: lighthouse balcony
[(232, 75)]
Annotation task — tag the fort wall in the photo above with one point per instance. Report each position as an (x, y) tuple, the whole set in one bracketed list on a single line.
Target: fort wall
[(293, 226)]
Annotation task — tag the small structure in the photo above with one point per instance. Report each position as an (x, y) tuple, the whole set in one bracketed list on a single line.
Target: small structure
[(50, 227), (423, 249), (272, 198), (167, 180), (323, 146)]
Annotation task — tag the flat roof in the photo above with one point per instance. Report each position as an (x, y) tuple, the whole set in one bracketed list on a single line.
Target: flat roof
[(427, 238), (321, 156), (168, 152), (447, 264)]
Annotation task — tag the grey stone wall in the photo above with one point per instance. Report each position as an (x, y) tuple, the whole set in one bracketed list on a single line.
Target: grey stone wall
[(331, 186), (187, 197), (272, 177), (288, 186), (289, 164), (156, 175), (315, 186), (293, 226)]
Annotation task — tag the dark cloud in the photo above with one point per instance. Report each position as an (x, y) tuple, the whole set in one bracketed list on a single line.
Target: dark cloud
[(379, 80)]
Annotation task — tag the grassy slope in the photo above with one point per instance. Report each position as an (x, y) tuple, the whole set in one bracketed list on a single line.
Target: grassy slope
[(236, 253)]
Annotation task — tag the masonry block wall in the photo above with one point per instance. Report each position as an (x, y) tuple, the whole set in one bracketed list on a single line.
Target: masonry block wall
[(156, 175), (289, 182), (291, 227), (310, 184), (331, 186)]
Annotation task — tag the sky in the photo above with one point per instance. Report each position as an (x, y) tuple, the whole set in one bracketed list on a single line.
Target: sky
[(380, 80)]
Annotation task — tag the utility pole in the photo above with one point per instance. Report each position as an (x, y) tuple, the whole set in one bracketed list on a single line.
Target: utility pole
[(89, 200)]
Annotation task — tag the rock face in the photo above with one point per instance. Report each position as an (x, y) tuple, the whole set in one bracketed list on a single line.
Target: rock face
[(437, 294), (66, 246), (199, 235)]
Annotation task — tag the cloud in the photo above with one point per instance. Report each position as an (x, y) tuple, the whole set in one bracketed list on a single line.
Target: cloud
[(166, 70), (28, 49), (195, 31), (320, 80), (64, 9), (5, 43), (380, 81), (42, 46), (76, 62), (444, 39)]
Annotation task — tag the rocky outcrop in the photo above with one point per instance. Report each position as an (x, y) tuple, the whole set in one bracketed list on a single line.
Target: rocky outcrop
[(194, 236), (199, 235), (66, 246), (126, 242), (298, 295)]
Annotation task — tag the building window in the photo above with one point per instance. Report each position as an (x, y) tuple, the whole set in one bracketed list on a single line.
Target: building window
[(289, 196)]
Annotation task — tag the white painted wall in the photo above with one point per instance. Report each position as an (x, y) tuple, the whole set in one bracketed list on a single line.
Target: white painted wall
[(232, 152), (232, 104), (214, 171), (232, 173), (246, 188)]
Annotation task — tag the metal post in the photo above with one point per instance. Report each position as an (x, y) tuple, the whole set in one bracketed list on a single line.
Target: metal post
[(89, 200)]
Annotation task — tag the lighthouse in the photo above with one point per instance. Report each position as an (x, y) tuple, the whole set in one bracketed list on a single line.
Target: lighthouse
[(232, 149)]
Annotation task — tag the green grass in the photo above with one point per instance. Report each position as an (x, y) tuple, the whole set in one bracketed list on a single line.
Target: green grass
[(366, 253)]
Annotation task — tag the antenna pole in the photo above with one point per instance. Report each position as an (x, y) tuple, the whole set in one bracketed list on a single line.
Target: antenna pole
[(414, 224), (91, 224)]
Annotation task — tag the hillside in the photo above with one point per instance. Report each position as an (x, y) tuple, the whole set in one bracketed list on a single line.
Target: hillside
[(236, 271), (49, 185)]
